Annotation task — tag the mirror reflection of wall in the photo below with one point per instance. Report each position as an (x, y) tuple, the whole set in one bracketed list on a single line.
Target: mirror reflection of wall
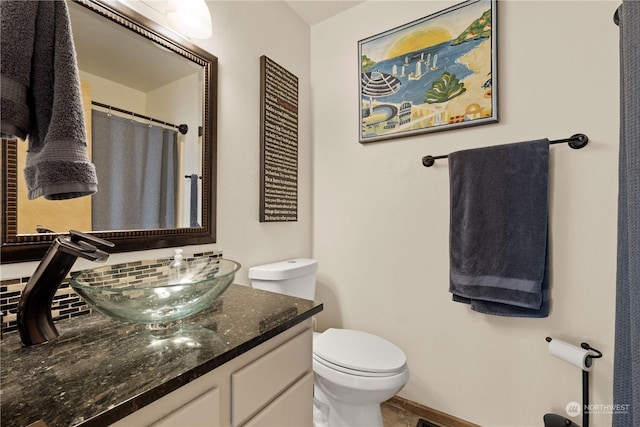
[(121, 69)]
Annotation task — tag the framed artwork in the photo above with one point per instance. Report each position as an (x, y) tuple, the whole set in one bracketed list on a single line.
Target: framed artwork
[(433, 74), (278, 143)]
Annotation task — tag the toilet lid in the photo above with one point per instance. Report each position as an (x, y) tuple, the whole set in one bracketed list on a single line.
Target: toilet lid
[(358, 351)]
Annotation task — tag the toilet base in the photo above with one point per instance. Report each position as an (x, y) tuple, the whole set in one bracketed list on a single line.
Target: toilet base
[(333, 413)]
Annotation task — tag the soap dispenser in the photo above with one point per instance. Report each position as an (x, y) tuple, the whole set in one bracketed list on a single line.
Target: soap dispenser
[(178, 268)]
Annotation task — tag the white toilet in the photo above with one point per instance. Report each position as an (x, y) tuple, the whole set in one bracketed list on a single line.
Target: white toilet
[(354, 372)]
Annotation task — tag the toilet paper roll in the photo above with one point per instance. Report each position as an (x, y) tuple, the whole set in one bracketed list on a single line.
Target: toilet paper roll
[(577, 356)]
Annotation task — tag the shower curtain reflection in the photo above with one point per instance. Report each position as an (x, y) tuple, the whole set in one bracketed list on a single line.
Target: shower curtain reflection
[(137, 167)]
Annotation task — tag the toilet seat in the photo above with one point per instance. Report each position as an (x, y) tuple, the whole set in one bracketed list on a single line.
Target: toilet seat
[(353, 372), (358, 353)]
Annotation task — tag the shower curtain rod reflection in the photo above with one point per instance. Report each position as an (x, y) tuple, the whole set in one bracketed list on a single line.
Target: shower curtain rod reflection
[(182, 128), (576, 141)]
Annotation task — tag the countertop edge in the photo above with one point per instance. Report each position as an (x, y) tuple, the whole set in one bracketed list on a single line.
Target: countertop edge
[(135, 403)]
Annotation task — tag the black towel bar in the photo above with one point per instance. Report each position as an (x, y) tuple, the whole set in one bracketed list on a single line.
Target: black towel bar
[(576, 141)]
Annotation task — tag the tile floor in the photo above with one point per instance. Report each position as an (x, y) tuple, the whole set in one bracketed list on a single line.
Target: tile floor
[(394, 416)]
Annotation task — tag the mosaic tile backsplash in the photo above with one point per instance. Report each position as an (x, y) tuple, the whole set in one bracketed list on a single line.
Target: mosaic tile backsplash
[(66, 303)]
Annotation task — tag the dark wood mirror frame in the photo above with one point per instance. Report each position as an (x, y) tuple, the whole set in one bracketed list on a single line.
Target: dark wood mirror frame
[(30, 247)]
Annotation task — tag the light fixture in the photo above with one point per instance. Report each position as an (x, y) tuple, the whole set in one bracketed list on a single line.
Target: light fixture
[(190, 18)]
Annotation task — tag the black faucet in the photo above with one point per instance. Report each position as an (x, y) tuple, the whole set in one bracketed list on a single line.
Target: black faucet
[(34, 309)]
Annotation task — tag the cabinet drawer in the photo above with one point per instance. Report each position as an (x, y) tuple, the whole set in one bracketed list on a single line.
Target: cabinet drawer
[(293, 408), (260, 382), (203, 411)]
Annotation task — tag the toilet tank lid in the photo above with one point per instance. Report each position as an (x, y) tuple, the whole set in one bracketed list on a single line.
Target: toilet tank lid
[(284, 269)]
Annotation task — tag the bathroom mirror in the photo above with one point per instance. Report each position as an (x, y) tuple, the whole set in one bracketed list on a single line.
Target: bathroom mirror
[(136, 71)]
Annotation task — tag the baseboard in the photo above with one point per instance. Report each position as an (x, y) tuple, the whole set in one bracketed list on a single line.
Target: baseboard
[(432, 415)]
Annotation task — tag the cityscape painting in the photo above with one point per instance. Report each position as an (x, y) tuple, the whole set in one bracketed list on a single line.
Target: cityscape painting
[(436, 73)]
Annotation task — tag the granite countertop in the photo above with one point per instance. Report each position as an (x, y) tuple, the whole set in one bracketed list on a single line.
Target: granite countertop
[(100, 370)]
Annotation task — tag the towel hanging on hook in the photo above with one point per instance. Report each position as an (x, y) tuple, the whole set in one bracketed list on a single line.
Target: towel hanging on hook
[(576, 141)]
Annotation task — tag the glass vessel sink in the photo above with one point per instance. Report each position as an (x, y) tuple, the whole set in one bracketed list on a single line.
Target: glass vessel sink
[(155, 294)]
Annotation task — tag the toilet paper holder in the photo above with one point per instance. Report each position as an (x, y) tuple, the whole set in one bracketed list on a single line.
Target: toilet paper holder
[(598, 354), (586, 346), (585, 380)]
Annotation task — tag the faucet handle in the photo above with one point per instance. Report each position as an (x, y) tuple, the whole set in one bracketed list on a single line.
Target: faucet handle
[(34, 319), (81, 238)]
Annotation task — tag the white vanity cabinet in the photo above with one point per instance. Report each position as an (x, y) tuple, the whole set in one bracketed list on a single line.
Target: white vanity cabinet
[(269, 385)]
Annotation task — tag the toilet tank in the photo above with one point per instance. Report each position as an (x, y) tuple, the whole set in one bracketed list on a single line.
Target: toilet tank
[(294, 277)]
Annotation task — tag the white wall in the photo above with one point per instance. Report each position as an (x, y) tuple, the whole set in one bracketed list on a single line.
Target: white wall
[(381, 219), (243, 31), (111, 93)]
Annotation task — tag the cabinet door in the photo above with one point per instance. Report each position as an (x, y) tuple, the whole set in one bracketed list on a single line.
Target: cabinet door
[(199, 403), (293, 408), (200, 412), (257, 384)]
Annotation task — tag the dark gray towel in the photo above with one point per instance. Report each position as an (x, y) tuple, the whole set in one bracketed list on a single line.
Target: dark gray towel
[(41, 98), (498, 236), (194, 201)]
